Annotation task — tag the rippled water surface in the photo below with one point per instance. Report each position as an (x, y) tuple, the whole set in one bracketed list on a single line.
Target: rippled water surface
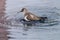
[(17, 31)]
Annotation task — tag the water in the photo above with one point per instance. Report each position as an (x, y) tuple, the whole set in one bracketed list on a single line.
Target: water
[(41, 8)]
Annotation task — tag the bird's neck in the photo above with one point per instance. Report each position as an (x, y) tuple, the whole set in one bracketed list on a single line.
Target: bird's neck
[(25, 12)]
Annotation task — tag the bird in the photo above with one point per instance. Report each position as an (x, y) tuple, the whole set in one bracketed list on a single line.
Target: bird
[(28, 16)]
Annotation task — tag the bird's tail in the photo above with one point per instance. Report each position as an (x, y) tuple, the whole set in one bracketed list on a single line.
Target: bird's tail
[(42, 19)]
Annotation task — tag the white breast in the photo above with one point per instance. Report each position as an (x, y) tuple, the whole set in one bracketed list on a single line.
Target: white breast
[(26, 18)]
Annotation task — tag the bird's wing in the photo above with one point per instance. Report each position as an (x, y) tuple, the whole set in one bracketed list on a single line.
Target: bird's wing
[(34, 17)]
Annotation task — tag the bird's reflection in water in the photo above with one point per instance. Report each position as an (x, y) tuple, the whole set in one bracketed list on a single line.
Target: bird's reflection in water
[(26, 28)]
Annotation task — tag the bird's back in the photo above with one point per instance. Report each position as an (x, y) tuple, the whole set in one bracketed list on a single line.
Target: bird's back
[(31, 16)]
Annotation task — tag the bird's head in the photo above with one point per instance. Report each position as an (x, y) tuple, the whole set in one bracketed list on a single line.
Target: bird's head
[(23, 10)]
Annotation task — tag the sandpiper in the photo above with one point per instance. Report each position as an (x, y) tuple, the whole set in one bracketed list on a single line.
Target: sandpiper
[(28, 16)]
